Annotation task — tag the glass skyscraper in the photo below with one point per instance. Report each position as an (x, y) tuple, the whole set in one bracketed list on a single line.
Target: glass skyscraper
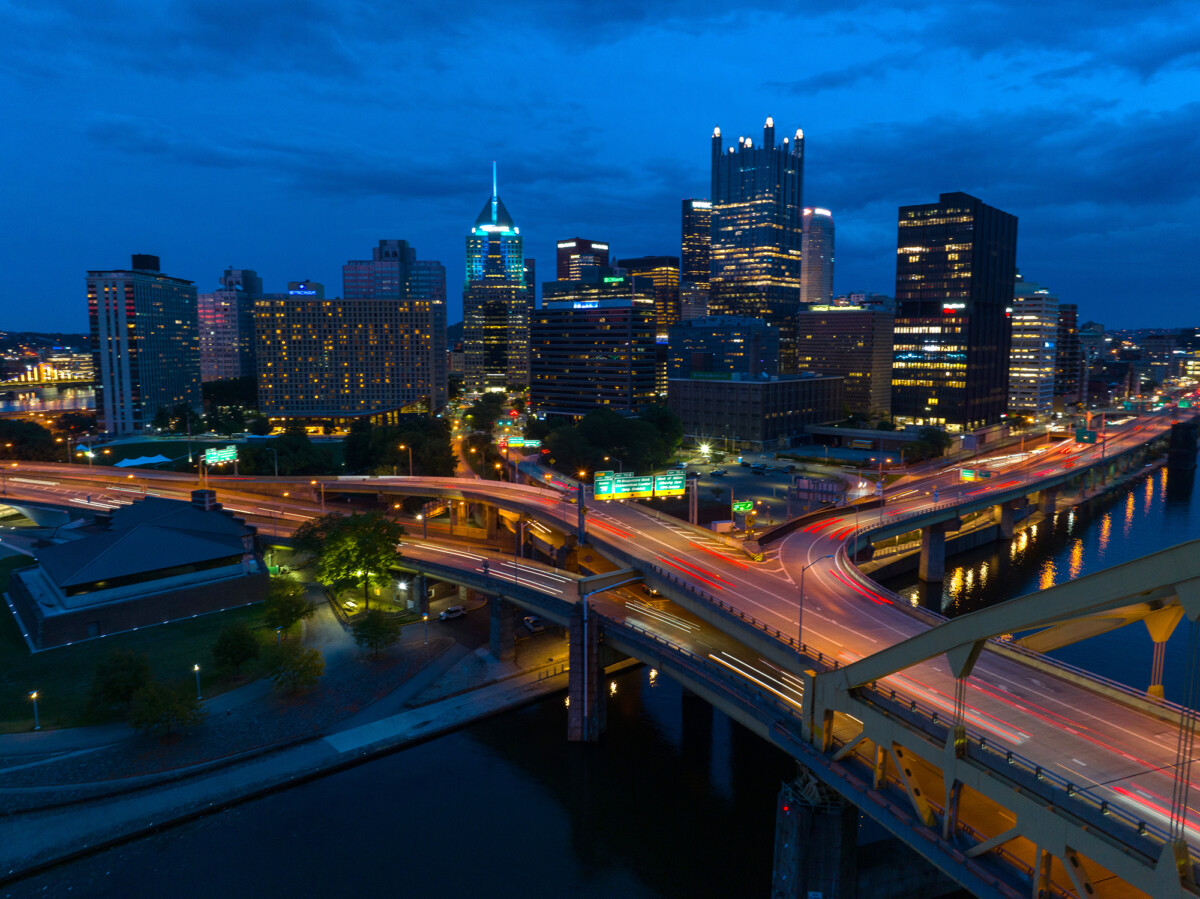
[(757, 233), (816, 280), (955, 273), (145, 344), (496, 302), (226, 319)]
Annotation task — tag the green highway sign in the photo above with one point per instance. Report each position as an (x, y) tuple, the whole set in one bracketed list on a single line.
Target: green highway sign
[(1185, 404), (1085, 436), (213, 455), (746, 506), (533, 443), (513, 441), (622, 485), (672, 483)]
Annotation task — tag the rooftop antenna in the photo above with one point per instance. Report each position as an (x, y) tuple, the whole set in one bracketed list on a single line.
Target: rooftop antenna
[(495, 199)]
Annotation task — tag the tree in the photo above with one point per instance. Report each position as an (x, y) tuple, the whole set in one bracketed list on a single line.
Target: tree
[(75, 423), (27, 440), (361, 548), (157, 708), (286, 602), (375, 630), (292, 666), (235, 646), (118, 677), (260, 427)]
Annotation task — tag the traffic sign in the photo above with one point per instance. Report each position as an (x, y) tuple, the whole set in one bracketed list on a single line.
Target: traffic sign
[(214, 455), (622, 485), (1083, 435), (672, 483), (744, 506)]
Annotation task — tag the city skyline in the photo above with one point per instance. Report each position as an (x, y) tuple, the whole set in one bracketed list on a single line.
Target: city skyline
[(1077, 119)]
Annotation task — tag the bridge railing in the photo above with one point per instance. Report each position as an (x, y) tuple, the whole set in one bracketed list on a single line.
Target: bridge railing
[(1084, 801)]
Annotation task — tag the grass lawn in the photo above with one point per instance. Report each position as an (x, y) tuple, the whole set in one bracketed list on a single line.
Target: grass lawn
[(63, 676)]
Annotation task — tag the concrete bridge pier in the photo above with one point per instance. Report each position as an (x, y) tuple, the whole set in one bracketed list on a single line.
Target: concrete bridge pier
[(932, 566), (420, 593), (816, 836), (585, 700), (1161, 625), (501, 632), (1048, 500), (491, 521), (1003, 515)]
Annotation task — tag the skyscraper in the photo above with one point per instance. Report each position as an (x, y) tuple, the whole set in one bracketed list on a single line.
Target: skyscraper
[(1071, 362), (593, 345), (757, 231), (418, 288), (1034, 354), (495, 302), (145, 343), (816, 280), (721, 346), (696, 245), (852, 341), (226, 320), (577, 252), (955, 271)]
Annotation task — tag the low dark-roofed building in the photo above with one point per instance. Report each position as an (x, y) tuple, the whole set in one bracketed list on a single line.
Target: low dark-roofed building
[(146, 563)]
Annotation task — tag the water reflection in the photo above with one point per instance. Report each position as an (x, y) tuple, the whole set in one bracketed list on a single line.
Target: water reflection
[(48, 399)]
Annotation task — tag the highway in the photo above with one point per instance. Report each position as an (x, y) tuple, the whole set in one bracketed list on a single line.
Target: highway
[(1125, 754)]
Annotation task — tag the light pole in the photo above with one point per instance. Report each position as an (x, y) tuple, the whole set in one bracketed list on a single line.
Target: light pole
[(275, 452), (800, 615), (196, 668), (424, 525), (320, 484), (405, 446), (425, 617), (37, 725), (620, 464)]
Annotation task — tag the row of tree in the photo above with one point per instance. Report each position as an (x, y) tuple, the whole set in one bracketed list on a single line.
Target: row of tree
[(644, 443), (376, 449)]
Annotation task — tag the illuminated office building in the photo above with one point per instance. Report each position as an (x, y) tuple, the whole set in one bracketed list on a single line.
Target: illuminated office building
[(663, 273), (1071, 366), (955, 271), (375, 356), (145, 344), (757, 232), (418, 289), (721, 346), (854, 342), (226, 326), (496, 303), (696, 246), (592, 345), (1034, 355), (816, 279), (577, 253)]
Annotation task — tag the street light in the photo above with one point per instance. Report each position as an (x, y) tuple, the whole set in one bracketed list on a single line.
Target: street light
[(424, 526), (800, 615), (320, 484), (405, 446), (426, 619), (196, 668), (37, 725), (620, 464), (276, 453)]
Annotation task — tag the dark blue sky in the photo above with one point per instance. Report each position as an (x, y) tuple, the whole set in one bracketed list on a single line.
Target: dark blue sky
[(290, 135)]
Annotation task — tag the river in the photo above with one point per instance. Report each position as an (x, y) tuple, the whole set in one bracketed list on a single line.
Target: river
[(48, 399), (675, 800)]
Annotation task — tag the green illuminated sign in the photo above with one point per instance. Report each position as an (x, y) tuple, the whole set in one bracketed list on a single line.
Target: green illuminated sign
[(622, 485), (617, 280), (1185, 404), (745, 506), (1084, 436), (215, 455), (673, 483)]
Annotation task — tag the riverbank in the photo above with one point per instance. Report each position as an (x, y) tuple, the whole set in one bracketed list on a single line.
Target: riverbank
[(52, 822)]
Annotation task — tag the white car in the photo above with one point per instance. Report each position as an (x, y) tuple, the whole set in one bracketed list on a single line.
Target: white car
[(452, 612)]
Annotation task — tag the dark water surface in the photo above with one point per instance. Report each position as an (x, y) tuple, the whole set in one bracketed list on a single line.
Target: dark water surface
[(1150, 513), (675, 801)]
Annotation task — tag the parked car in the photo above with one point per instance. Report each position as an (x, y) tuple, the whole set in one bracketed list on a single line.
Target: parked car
[(533, 624), (452, 612), (718, 473), (789, 468), (761, 471), (744, 464), (759, 466), (692, 474), (350, 605)]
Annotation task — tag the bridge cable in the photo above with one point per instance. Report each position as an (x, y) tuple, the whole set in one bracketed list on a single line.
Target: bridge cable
[(1185, 745)]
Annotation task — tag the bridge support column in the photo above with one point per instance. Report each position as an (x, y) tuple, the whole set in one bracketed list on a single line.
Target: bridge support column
[(585, 709), (491, 521), (420, 593), (1002, 515), (933, 553), (1161, 625), (501, 642), (1048, 500), (816, 837)]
